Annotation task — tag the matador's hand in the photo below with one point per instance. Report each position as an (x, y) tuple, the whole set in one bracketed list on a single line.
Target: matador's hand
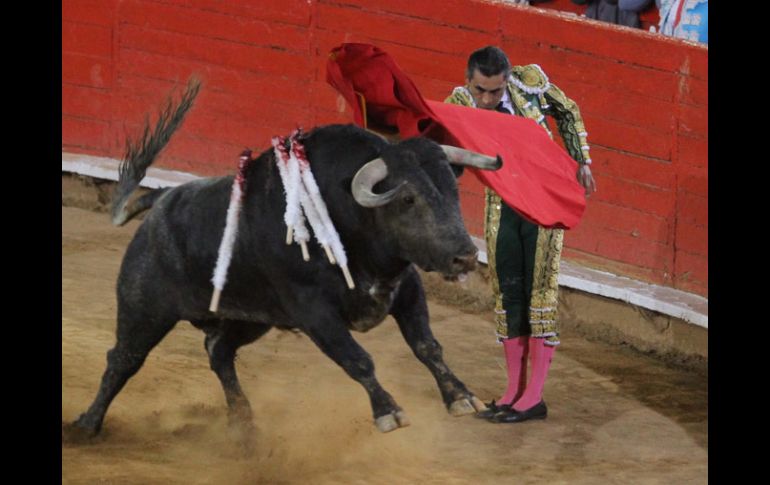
[(586, 179)]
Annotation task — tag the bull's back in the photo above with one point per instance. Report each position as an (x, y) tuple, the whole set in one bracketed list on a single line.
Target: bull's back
[(171, 260), (174, 250)]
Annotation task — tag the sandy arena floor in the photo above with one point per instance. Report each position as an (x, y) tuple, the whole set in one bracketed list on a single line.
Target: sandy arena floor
[(615, 416)]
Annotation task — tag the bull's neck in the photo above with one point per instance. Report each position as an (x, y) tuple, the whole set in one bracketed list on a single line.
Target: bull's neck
[(374, 254)]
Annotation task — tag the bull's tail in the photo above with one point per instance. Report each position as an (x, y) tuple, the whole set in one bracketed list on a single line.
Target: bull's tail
[(140, 155)]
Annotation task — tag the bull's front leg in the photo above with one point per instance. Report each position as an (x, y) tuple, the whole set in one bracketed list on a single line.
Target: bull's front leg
[(335, 341), (410, 310)]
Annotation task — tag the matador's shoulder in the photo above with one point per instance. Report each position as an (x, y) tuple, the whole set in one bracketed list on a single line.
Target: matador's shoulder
[(530, 78), (460, 95)]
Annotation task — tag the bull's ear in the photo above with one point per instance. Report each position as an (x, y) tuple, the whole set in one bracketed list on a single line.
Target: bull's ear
[(457, 169)]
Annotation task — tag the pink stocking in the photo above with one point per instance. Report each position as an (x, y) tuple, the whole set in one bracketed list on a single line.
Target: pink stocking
[(540, 356), (516, 363)]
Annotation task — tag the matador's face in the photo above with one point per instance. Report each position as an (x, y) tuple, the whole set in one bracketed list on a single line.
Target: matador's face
[(486, 91)]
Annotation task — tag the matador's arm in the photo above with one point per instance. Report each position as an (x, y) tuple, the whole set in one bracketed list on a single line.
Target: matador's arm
[(573, 132), (569, 122)]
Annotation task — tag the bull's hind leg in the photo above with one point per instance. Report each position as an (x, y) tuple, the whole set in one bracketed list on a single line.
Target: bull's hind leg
[(411, 312), (223, 338), (136, 337)]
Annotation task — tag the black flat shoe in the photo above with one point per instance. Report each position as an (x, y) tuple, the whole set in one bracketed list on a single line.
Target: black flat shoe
[(538, 411), (492, 409)]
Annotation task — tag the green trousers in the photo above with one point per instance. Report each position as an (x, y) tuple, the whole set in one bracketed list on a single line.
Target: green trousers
[(515, 262), (524, 268)]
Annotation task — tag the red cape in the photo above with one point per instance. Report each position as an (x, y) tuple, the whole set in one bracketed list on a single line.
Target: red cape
[(537, 178)]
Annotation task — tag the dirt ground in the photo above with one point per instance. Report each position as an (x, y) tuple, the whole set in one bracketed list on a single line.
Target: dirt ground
[(615, 415)]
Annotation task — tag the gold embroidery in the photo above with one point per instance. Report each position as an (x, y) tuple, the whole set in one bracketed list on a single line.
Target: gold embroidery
[(460, 96), (530, 75), (544, 303), (569, 122), (491, 228), (527, 108), (530, 78)]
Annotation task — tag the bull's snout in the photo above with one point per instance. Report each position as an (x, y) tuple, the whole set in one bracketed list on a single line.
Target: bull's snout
[(464, 264)]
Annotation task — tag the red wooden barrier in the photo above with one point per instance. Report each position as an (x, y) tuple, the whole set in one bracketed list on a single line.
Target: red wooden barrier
[(644, 98)]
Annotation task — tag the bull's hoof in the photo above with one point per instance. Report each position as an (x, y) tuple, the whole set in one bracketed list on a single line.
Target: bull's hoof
[(403, 420), (76, 432), (392, 421), (461, 407), (244, 437), (478, 404)]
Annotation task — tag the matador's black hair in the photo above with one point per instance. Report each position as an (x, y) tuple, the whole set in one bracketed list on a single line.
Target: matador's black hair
[(489, 60)]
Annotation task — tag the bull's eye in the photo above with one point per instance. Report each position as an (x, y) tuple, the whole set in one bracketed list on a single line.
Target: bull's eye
[(408, 200)]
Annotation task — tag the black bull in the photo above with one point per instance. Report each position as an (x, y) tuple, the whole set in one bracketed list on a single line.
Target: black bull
[(166, 272)]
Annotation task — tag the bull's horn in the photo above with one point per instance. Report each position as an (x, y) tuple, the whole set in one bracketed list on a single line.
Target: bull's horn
[(461, 156), (364, 180)]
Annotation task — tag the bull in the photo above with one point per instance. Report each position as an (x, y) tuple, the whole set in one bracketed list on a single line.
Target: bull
[(395, 205)]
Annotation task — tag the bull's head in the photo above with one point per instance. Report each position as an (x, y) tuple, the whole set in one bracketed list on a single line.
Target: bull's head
[(419, 206)]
